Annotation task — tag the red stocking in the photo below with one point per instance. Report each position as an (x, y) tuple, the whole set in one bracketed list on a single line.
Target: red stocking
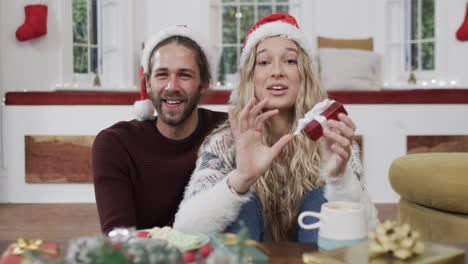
[(462, 32), (35, 23)]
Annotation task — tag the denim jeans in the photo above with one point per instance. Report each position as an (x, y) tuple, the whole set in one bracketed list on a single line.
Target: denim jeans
[(251, 215)]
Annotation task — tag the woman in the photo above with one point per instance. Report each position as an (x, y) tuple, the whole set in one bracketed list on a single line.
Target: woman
[(252, 168)]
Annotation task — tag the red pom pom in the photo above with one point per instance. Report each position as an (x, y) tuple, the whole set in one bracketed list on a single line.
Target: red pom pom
[(205, 250), (189, 256), (143, 234)]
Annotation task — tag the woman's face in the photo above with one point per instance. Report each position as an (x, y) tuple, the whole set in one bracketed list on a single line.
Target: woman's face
[(276, 74)]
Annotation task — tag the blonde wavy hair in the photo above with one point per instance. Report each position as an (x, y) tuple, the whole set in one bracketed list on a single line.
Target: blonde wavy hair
[(281, 198)]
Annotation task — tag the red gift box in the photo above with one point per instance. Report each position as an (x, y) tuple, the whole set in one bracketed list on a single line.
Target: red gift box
[(314, 129), (14, 253)]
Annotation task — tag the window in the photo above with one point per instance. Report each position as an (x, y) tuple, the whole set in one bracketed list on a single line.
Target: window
[(237, 16), (87, 49), (411, 43), (96, 36), (419, 35)]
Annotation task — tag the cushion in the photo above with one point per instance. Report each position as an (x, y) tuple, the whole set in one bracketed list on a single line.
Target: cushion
[(362, 44), (433, 224), (436, 180), (349, 69)]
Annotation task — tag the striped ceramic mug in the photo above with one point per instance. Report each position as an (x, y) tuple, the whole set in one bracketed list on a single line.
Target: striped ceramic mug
[(340, 224)]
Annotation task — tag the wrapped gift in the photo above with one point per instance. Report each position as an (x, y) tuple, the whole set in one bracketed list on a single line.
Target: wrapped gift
[(359, 253), (15, 254), (315, 120), (235, 246)]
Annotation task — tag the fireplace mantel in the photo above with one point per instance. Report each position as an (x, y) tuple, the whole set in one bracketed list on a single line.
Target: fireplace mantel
[(416, 96)]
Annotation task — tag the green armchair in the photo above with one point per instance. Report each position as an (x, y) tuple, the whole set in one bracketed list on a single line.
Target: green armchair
[(433, 189)]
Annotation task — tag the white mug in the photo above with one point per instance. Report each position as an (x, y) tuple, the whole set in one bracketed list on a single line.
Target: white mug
[(340, 224)]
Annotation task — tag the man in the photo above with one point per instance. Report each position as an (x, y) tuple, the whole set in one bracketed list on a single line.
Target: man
[(141, 167)]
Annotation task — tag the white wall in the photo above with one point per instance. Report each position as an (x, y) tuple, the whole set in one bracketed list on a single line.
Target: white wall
[(344, 19), (39, 64), (50, 120), (160, 14), (40, 60), (384, 129), (456, 52), (29, 65)]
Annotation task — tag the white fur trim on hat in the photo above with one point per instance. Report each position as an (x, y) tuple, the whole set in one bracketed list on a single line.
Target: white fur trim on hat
[(277, 28), (143, 109), (175, 31)]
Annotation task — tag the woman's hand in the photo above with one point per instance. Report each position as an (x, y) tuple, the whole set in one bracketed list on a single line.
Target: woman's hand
[(253, 157), (338, 143)]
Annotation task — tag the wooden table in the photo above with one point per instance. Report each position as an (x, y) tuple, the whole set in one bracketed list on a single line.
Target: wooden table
[(287, 252)]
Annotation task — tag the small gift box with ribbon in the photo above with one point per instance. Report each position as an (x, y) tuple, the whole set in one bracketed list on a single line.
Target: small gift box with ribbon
[(15, 254), (315, 120)]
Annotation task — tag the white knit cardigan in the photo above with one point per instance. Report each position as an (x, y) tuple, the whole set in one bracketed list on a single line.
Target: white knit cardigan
[(209, 206)]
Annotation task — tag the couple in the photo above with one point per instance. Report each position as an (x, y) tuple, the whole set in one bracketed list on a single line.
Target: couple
[(250, 168)]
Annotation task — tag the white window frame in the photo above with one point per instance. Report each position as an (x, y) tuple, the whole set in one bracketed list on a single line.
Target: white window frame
[(397, 44), (118, 63), (87, 78), (418, 40), (217, 31)]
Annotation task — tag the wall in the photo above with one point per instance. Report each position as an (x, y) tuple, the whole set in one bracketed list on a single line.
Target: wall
[(38, 64), (456, 52), (384, 129), (30, 65), (344, 19), (160, 14), (38, 59), (41, 59)]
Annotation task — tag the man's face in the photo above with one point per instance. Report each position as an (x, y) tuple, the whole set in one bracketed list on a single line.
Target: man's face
[(175, 83)]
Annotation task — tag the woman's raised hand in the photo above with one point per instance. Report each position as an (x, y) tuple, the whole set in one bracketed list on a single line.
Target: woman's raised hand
[(338, 143), (252, 155)]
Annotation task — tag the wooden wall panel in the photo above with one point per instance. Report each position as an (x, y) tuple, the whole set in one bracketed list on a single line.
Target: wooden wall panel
[(58, 159), (67, 159), (422, 144)]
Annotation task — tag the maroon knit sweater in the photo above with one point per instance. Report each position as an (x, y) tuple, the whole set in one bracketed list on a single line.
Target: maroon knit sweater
[(140, 175)]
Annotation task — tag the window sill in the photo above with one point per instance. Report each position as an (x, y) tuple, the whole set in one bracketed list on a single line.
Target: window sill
[(219, 97)]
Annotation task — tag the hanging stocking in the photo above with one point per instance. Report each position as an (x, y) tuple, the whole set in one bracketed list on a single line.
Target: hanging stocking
[(35, 23), (462, 32)]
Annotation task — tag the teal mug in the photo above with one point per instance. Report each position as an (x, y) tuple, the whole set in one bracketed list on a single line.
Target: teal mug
[(340, 224)]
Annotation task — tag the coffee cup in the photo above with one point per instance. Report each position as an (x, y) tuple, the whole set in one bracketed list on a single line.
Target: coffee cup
[(340, 224)]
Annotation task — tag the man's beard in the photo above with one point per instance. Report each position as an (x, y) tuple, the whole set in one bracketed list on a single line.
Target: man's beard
[(177, 118)]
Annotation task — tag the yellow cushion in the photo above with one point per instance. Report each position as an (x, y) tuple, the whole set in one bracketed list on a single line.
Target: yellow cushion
[(434, 225), (436, 180), (362, 44)]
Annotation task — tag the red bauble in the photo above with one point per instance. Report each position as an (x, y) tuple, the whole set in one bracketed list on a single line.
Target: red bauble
[(205, 250), (189, 256), (143, 234)]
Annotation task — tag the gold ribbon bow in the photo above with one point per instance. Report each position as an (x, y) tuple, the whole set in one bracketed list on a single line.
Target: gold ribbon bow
[(232, 239), (23, 245)]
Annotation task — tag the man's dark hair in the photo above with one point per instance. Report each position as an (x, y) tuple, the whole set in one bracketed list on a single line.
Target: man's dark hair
[(200, 56)]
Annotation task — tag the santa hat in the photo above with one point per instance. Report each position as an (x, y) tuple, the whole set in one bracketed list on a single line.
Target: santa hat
[(278, 24), (144, 109)]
